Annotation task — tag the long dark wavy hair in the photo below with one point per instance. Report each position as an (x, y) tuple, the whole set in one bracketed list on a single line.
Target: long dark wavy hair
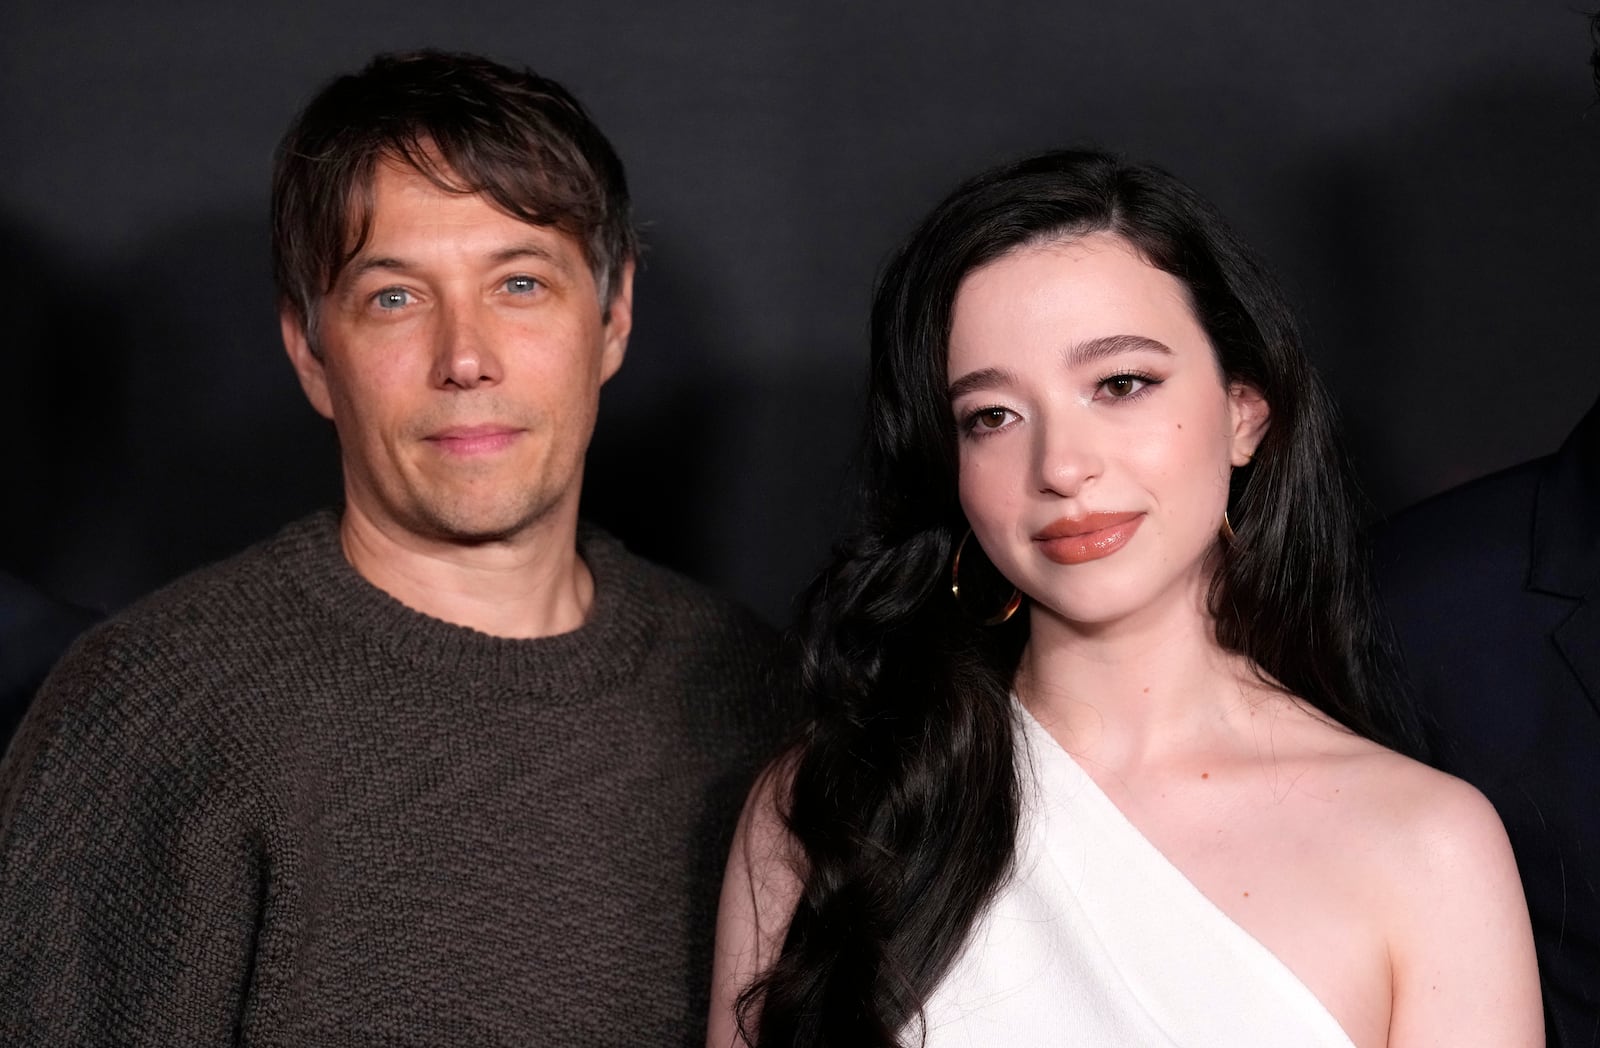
[(904, 797)]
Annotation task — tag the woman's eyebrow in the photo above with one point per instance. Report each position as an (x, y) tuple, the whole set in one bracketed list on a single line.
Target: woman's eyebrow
[(1095, 349), (983, 378), (1077, 355)]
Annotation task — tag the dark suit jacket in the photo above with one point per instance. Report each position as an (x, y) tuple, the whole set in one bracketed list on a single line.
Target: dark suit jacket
[(1494, 591)]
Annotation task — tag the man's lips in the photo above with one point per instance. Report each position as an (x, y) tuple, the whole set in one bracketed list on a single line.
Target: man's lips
[(474, 440), (1075, 540)]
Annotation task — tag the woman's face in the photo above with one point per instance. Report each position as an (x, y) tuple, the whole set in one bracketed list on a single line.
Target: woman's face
[(1096, 432)]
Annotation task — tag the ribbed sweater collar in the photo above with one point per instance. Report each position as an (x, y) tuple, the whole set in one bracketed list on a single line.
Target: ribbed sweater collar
[(622, 625)]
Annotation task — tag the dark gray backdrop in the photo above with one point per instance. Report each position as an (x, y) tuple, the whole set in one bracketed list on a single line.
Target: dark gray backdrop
[(1422, 174)]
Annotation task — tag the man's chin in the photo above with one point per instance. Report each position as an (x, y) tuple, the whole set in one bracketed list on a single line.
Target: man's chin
[(483, 525)]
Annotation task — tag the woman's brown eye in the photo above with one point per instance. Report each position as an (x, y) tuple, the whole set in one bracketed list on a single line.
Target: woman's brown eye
[(1120, 386), (994, 418)]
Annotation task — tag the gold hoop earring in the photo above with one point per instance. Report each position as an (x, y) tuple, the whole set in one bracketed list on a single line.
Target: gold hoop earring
[(1011, 605), (1227, 529)]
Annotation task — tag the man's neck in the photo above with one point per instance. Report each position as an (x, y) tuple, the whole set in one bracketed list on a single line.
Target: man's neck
[(531, 585)]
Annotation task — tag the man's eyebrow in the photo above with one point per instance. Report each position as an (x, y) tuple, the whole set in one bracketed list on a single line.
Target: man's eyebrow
[(370, 263), (983, 378), (1109, 346), (531, 249), (510, 253)]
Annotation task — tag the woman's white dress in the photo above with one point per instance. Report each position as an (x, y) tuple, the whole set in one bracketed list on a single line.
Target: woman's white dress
[(1097, 939)]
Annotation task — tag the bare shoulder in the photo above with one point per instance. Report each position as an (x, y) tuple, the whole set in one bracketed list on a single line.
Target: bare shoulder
[(1444, 886), (1461, 945), (1391, 794), (1415, 817), (1416, 823), (1440, 818), (1437, 837)]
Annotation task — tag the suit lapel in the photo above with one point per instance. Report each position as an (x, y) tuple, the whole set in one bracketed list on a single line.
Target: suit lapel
[(1566, 547), (1579, 641)]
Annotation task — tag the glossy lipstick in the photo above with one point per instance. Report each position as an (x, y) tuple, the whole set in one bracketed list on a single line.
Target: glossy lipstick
[(1078, 540)]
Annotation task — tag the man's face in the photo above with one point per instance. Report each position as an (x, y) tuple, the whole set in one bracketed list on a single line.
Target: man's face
[(460, 357)]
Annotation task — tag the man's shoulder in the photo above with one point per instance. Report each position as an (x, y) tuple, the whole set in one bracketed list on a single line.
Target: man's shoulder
[(1453, 574), (185, 637), (1486, 523), (707, 653), (246, 582), (34, 630), (685, 607)]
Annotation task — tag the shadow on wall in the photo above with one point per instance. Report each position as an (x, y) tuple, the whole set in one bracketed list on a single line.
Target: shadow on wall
[(734, 475), (62, 414), (1454, 283), (165, 427)]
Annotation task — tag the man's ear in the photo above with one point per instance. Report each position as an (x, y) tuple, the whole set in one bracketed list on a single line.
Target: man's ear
[(618, 323), (1249, 414), (307, 365)]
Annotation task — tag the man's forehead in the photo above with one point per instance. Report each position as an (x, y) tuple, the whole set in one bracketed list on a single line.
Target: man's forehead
[(433, 203)]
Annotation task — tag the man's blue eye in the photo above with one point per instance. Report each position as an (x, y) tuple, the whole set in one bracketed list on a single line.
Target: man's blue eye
[(521, 285), (393, 298)]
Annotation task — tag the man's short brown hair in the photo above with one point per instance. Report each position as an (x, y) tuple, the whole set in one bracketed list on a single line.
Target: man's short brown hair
[(469, 125)]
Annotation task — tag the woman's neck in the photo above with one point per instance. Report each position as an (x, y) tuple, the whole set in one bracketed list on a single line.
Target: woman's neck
[(1152, 688)]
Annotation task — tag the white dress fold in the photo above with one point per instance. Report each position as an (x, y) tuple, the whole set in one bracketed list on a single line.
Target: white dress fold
[(1097, 939)]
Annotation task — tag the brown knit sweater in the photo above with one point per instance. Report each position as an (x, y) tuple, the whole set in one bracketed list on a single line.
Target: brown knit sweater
[(270, 805)]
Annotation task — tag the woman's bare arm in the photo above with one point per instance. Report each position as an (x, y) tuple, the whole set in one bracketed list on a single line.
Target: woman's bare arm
[(759, 890), (1462, 958)]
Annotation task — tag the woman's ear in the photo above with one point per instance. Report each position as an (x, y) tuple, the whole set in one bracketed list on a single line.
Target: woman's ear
[(1248, 417)]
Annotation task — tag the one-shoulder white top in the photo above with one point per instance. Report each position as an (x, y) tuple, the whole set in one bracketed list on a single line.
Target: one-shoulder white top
[(1097, 939)]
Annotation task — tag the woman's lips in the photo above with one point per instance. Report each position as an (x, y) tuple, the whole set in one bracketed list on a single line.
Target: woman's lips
[(1077, 540), (474, 440)]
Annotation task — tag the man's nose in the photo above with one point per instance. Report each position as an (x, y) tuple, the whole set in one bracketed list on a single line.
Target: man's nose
[(465, 356)]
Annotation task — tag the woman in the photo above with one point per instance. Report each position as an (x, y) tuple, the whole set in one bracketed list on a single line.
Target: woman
[(1154, 794)]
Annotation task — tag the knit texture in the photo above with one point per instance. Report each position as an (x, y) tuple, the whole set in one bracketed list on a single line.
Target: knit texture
[(270, 805)]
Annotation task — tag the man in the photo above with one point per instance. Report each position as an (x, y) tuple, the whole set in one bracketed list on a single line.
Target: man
[(445, 768)]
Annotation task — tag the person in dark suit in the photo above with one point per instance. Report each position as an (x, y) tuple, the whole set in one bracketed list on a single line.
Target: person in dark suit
[(34, 631), (1494, 592)]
